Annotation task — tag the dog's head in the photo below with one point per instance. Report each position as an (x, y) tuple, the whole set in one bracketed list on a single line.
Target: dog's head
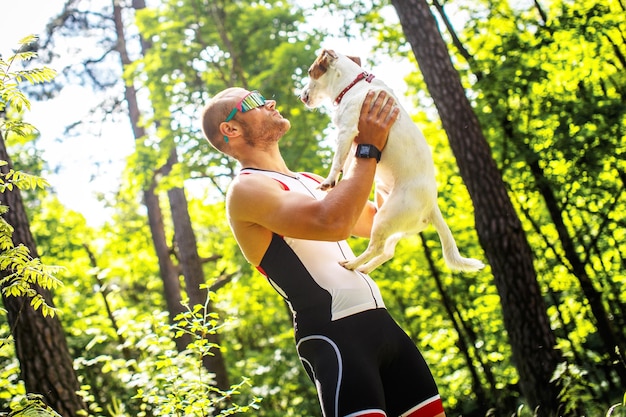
[(330, 73)]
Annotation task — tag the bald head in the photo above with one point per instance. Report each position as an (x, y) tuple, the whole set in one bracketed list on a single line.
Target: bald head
[(215, 112)]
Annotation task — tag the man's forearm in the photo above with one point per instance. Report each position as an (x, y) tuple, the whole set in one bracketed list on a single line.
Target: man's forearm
[(347, 200)]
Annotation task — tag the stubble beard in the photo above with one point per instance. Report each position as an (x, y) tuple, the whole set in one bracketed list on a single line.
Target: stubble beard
[(266, 135)]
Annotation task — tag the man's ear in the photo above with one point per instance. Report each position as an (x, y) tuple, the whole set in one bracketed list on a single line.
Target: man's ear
[(229, 129)]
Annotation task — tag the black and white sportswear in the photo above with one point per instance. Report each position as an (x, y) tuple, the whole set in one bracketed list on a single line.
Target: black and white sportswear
[(361, 361)]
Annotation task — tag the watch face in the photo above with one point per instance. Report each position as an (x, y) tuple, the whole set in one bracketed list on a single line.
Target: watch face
[(367, 151)]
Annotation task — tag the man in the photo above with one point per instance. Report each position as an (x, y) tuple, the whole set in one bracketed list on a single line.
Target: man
[(361, 361)]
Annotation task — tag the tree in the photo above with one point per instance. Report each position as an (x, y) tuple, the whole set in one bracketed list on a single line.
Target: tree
[(498, 226), (540, 128), (40, 344)]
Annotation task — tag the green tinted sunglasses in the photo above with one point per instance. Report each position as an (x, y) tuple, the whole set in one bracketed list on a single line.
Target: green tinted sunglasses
[(250, 101)]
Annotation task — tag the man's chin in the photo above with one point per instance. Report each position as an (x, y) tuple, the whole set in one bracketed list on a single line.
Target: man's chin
[(286, 126)]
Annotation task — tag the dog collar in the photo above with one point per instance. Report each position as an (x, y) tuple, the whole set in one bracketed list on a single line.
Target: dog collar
[(362, 76)]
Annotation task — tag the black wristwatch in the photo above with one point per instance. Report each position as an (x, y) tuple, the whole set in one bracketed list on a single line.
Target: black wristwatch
[(368, 151)]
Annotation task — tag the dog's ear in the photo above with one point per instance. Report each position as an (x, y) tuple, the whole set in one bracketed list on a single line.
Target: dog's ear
[(322, 63), (326, 53), (355, 59)]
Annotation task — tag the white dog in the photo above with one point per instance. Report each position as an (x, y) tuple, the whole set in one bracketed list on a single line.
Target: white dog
[(405, 176)]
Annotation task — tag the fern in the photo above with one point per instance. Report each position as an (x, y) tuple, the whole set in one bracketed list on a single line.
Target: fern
[(20, 180), (27, 272), (21, 272), (10, 94), (33, 406), (18, 127)]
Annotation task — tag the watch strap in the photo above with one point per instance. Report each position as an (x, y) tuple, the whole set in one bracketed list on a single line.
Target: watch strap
[(364, 150)]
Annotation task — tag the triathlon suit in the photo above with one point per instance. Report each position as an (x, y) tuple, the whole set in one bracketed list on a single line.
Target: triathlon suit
[(361, 361)]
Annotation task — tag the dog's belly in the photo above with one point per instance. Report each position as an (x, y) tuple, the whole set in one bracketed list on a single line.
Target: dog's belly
[(412, 199), (406, 154)]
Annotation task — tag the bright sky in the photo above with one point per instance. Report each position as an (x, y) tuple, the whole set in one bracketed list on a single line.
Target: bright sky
[(21, 18), (82, 165)]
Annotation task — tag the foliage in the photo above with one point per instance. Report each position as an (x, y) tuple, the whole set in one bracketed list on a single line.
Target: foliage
[(195, 393), (160, 380), (175, 392), (24, 272), (194, 55), (21, 273), (32, 406), (554, 114), (10, 93), (21, 180), (555, 118)]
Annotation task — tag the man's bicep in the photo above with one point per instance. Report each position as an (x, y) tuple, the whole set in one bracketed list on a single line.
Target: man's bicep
[(293, 214), (265, 203), (287, 213)]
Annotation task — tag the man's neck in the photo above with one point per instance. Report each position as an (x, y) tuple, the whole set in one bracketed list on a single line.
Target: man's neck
[(270, 160)]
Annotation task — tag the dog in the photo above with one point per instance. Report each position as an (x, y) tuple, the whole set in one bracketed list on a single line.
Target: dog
[(405, 175)]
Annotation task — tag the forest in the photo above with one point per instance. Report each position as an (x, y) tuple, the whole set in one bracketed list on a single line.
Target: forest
[(155, 312)]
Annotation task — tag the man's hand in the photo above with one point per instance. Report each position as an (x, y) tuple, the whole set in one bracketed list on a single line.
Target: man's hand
[(378, 113)]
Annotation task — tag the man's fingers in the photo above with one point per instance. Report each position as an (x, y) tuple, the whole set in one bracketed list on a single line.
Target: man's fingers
[(367, 105), (392, 111), (379, 102), (384, 107), (379, 107), (389, 106)]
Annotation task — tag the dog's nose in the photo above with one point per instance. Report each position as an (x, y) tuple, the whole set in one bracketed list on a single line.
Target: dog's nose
[(304, 96)]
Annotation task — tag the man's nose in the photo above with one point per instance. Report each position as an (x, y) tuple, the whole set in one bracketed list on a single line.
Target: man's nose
[(270, 104)]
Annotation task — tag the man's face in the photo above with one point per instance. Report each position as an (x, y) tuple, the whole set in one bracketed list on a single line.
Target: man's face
[(262, 125)]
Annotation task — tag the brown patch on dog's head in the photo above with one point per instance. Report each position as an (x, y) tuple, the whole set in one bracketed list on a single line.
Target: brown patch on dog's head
[(321, 64)]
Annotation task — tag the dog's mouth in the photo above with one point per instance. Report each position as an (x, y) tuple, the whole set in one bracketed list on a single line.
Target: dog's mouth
[(304, 97)]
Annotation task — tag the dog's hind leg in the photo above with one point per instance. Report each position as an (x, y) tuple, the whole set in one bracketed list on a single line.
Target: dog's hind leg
[(382, 257), (386, 231), (391, 222), (375, 247)]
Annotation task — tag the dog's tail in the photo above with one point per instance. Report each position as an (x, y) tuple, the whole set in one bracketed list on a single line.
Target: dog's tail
[(450, 251)]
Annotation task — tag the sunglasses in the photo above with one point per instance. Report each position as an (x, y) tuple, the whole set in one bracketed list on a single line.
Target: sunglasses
[(250, 101)]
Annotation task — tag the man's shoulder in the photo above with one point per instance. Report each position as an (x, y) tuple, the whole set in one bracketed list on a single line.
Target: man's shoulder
[(249, 188), (244, 181)]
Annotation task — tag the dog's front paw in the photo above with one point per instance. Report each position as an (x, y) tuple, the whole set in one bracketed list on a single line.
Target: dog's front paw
[(327, 185), (348, 264)]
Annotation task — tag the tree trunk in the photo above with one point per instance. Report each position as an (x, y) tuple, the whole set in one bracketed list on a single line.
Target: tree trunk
[(168, 271), (190, 261), (498, 226), (40, 345), (194, 274)]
